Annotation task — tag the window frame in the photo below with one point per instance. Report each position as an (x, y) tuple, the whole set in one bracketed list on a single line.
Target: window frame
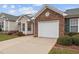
[(73, 23), (23, 26)]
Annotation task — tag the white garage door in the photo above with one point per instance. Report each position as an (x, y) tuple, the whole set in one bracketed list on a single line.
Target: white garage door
[(48, 29)]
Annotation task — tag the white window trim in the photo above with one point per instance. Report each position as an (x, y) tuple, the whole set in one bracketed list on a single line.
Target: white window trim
[(70, 25), (78, 24)]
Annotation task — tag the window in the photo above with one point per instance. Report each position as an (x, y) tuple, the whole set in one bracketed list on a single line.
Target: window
[(19, 26), (23, 26), (74, 29), (2, 24), (67, 25), (29, 27), (74, 25)]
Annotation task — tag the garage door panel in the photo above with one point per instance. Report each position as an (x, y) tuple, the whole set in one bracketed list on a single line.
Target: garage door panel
[(48, 29)]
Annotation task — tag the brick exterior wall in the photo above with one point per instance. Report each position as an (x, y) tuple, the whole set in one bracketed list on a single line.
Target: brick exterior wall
[(52, 16)]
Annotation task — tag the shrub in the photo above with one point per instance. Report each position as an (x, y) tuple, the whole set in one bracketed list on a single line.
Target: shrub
[(20, 34), (71, 33), (65, 40), (11, 32), (0, 29), (75, 39)]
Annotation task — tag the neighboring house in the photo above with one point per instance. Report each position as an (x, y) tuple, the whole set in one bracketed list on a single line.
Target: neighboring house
[(72, 20), (25, 24), (49, 22), (8, 22)]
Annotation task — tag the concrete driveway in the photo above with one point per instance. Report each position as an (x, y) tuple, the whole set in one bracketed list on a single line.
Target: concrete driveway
[(27, 45)]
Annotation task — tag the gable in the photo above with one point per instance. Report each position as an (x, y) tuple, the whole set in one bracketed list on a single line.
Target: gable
[(51, 8), (23, 18), (52, 15)]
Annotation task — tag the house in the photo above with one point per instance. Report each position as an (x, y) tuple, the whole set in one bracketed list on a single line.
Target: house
[(25, 24), (72, 20), (49, 22), (8, 22)]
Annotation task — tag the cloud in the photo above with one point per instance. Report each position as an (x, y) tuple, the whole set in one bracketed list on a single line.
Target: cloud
[(37, 4), (27, 10), (12, 12), (20, 11), (4, 6), (7, 6), (12, 6)]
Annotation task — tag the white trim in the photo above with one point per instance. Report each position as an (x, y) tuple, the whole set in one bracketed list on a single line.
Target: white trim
[(18, 19), (52, 8), (78, 24), (69, 25), (21, 17), (8, 26), (4, 25)]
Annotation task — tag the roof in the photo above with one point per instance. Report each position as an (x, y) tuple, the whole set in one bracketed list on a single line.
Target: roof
[(49, 7), (10, 17), (29, 17), (72, 13)]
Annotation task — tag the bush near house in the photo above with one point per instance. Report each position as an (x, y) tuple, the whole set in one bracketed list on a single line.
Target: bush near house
[(15, 33), (65, 40), (0, 29), (12, 32), (68, 44), (20, 34), (69, 40), (75, 40)]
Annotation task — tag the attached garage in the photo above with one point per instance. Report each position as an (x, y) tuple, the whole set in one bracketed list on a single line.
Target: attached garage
[(49, 22), (48, 29)]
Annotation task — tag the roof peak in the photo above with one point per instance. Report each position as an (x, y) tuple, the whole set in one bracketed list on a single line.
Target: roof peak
[(50, 7), (45, 5)]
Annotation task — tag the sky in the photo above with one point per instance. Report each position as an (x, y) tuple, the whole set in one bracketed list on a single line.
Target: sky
[(20, 9)]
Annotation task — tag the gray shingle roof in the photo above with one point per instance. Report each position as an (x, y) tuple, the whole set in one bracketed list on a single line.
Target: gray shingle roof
[(72, 13), (27, 15), (10, 17)]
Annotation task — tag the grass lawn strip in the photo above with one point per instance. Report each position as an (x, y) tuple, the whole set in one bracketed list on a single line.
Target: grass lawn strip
[(64, 50), (4, 37)]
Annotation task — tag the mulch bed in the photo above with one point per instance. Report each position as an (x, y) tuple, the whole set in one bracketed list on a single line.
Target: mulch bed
[(73, 47)]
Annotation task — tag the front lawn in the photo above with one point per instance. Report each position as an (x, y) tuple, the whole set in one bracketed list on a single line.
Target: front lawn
[(6, 37), (67, 44), (59, 49)]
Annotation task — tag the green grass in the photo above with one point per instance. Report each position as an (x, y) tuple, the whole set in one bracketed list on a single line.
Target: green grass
[(4, 37), (61, 51)]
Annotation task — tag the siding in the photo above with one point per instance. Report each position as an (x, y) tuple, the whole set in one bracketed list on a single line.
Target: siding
[(12, 26), (5, 27), (9, 26)]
